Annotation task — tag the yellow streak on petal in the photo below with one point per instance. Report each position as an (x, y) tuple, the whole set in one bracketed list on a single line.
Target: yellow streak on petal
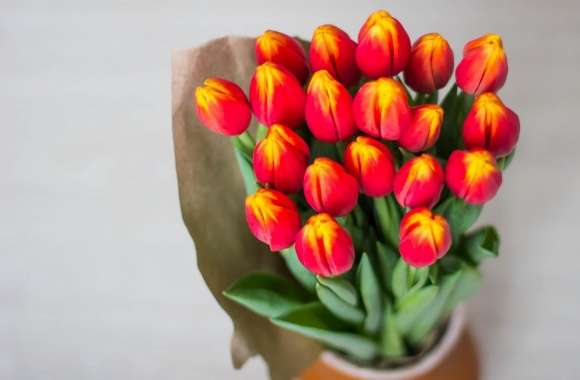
[(488, 111), (268, 77), (427, 227), (326, 40), (264, 207), (270, 42), (432, 115), (479, 165), (326, 89), (211, 93)]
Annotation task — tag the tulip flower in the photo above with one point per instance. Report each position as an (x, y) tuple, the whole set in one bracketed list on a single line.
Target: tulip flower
[(491, 125), (371, 163), (473, 175), (329, 188), (284, 50), (425, 237), (484, 65), (328, 108), (419, 182), (324, 247), (383, 46), (424, 129), (276, 96), (280, 159), (273, 218), (430, 64), (222, 107), (381, 109), (332, 50)]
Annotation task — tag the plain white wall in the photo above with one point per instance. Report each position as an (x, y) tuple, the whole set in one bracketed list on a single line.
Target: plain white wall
[(97, 272)]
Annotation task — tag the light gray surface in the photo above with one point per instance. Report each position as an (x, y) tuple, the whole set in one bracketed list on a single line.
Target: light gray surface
[(97, 275)]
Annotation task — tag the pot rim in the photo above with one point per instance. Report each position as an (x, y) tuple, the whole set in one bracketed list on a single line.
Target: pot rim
[(423, 366)]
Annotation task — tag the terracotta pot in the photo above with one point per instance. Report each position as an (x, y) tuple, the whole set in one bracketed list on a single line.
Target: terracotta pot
[(453, 358)]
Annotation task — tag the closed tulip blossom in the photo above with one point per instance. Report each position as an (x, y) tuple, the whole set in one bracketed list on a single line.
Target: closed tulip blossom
[(473, 175), (276, 96), (424, 236), (272, 218), (329, 188), (424, 129), (222, 107), (371, 163), (381, 109), (419, 182), (383, 46), (324, 247), (273, 46), (280, 159), (491, 125), (430, 64), (333, 50), (484, 66), (328, 108)]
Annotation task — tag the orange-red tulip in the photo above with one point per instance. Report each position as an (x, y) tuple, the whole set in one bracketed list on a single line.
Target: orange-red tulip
[(424, 128), (430, 65), (329, 188), (419, 182), (324, 247), (329, 108), (381, 109), (491, 125), (484, 66), (284, 50), (473, 175), (276, 96), (425, 237), (332, 49), (280, 159), (371, 163), (383, 46), (273, 218), (222, 107)]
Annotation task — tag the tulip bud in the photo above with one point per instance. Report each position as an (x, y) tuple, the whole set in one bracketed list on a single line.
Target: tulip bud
[(284, 50), (324, 247), (222, 107), (383, 46), (276, 96), (371, 163), (328, 108), (425, 237), (273, 218), (419, 182), (430, 65), (423, 132), (280, 159), (484, 65), (329, 188), (473, 175), (332, 49), (381, 109), (491, 125)]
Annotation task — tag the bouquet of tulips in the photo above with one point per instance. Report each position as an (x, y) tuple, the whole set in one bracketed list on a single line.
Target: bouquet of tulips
[(364, 183)]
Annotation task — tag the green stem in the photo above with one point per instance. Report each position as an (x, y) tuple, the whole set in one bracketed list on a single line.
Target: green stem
[(388, 217)]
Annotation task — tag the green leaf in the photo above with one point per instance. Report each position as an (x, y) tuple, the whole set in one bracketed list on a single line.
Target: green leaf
[(315, 322), (342, 288), (392, 344), (261, 132), (459, 215), (371, 295), (265, 294), (481, 244), (407, 278), (387, 260), (389, 217), (339, 308), (304, 277), (468, 284), (247, 171), (504, 162), (449, 135), (411, 308), (322, 149)]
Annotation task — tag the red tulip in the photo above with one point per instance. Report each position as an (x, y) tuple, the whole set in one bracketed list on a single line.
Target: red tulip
[(372, 164), (329, 108), (276, 96), (484, 65), (381, 109), (425, 237), (473, 175), (424, 128), (273, 218), (329, 188), (491, 125), (284, 50), (222, 107), (419, 182), (324, 247), (430, 65), (332, 50), (383, 46)]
